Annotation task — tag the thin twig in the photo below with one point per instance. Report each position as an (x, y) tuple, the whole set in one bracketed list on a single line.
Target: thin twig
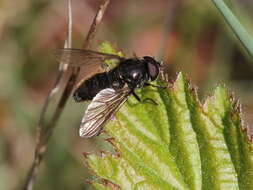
[(95, 24), (39, 150), (45, 131)]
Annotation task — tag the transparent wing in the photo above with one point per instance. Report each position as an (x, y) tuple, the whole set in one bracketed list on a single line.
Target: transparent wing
[(101, 109), (91, 61), (81, 57)]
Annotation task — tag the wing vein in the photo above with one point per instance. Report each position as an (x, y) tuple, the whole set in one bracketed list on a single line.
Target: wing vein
[(101, 109)]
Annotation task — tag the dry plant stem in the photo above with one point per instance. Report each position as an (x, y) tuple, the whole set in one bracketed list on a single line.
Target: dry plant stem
[(45, 130), (95, 24), (41, 128), (38, 150)]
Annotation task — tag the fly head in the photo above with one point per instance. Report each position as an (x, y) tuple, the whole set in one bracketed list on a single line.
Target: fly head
[(153, 67)]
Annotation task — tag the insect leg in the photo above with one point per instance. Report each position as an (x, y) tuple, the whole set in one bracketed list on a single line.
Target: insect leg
[(157, 86), (150, 100), (136, 96)]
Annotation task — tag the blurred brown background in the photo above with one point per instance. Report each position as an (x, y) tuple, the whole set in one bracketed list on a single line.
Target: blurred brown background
[(188, 35)]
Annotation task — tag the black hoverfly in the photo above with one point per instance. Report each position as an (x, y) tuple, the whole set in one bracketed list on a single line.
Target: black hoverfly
[(107, 90)]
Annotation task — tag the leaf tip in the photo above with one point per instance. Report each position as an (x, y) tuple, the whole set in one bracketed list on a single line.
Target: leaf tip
[(237, 116)]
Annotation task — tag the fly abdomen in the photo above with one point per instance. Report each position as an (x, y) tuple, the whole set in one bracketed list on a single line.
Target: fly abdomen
[(89, 88)]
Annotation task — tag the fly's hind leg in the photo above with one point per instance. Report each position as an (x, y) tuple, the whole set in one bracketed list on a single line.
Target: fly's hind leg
[(147, 100), (156, 86)]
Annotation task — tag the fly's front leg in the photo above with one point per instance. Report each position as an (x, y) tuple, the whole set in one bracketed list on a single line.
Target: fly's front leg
[(157, 86)]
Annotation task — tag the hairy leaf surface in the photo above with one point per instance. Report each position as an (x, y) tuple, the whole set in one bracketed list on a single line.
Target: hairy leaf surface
[(179, 144)]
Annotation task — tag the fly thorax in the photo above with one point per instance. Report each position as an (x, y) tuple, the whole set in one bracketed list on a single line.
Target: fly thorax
[(115, 79), (136, 78)]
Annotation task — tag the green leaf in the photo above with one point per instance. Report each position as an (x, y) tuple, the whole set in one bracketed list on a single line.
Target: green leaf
[(236, 26), (106, 47), (179, 144)]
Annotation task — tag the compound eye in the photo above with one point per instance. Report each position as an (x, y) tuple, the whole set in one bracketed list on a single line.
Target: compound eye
[(153, 71)]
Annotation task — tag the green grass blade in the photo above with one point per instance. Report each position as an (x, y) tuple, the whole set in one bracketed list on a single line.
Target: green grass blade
[(236, 26)]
